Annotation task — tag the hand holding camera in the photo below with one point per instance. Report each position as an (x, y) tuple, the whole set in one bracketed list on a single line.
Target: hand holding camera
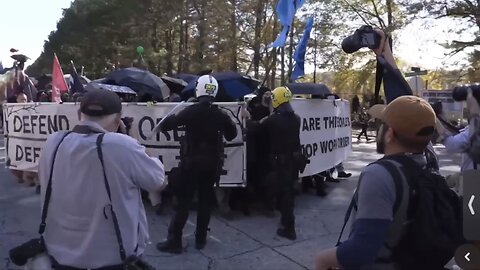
[(374, 39), (470, 94), (125, 125), (472, 103), (364, 37)]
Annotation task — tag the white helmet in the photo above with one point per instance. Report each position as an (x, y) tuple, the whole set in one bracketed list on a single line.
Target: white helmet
[(207, 85)]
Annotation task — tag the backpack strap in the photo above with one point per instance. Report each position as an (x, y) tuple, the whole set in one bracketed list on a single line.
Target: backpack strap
[(351, 206), (397, 180), (403, 170), (397, 176)]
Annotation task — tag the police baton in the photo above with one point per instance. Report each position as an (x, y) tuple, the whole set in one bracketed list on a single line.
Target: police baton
[(156, 129)]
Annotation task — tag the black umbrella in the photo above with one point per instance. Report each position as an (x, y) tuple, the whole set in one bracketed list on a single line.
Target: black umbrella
[(232, 86), (140, 81), (114, 88), (176, 85)]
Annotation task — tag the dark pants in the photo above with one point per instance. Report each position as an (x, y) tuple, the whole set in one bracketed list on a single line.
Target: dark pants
[(283, 178), (364, 132), (192, 181)]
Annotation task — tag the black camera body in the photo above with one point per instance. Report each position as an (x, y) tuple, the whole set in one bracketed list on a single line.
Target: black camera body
[(460, 92), (364, 37), (127, 121), (20, 255)]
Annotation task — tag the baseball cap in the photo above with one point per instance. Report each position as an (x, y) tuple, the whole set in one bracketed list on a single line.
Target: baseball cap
[(409, 116), (100, 103)]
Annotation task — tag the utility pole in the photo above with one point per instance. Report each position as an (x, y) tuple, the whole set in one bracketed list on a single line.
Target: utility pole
[(416, 72)]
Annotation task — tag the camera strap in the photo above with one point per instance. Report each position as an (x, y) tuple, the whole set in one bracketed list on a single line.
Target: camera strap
[(378, 81), (107, 187), (48, 192)]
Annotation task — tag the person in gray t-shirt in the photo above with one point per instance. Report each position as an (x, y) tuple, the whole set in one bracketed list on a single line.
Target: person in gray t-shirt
[(408, 125)]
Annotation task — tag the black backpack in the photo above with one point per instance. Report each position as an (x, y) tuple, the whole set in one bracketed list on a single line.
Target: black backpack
[(432, 230)]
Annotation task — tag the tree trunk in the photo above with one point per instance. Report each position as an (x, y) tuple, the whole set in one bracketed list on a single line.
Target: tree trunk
[(199, 58), (258, 34), (283, 66), (290, 53), (274, 69), (181, 42), (233, 43), (186, 40), (169, 49), (389, 13)]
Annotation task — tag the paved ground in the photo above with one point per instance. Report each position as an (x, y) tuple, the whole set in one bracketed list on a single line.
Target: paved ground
[(244, 243)]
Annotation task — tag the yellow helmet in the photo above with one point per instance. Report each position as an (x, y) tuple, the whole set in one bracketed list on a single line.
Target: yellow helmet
[(281, 95)]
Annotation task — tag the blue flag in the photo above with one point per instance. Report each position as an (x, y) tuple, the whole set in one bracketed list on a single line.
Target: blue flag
[(77, 84), (286, 10), (299, 56), (282, 38)]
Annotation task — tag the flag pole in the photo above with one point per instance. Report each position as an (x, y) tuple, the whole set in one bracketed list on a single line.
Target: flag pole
[(315, 51), (290, 60), (73, 66)]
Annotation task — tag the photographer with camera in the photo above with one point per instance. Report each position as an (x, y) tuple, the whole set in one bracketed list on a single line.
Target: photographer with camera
[(465, 141), (460, 141), (92, 211)]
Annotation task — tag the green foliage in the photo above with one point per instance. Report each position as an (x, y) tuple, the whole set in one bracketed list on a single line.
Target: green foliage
[(196, 35)]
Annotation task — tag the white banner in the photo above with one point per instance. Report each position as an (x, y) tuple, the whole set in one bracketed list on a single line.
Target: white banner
[(325, 134), (28, 125)]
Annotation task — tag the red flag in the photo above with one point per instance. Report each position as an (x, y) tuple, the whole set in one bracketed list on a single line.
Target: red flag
[(58, 81)]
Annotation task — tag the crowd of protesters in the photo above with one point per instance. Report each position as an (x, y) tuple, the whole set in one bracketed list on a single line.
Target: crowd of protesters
[(380, 213)]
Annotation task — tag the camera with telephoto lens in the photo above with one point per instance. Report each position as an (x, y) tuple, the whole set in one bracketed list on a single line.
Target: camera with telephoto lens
[(135, 263), (460, 92), (364, 37), (20, 255)]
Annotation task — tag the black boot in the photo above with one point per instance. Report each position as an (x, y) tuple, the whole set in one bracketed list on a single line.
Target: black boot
[(344, 175), (200, 240), (172, 245), (331, 179), (320, 186), (306, 184), (159, 209), (287, 233)]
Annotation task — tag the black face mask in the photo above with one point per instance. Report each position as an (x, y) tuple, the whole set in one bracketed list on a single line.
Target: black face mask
[(382, 130)]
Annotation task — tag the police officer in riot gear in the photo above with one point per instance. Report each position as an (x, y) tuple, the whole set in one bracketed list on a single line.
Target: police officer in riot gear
[(283, 131), (201, 161)]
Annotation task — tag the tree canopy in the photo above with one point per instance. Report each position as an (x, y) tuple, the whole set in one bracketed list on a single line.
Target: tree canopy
[(189, 36)]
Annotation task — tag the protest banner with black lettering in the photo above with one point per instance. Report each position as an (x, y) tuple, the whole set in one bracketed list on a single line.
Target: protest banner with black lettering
[(325, 132), (27, 128)]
